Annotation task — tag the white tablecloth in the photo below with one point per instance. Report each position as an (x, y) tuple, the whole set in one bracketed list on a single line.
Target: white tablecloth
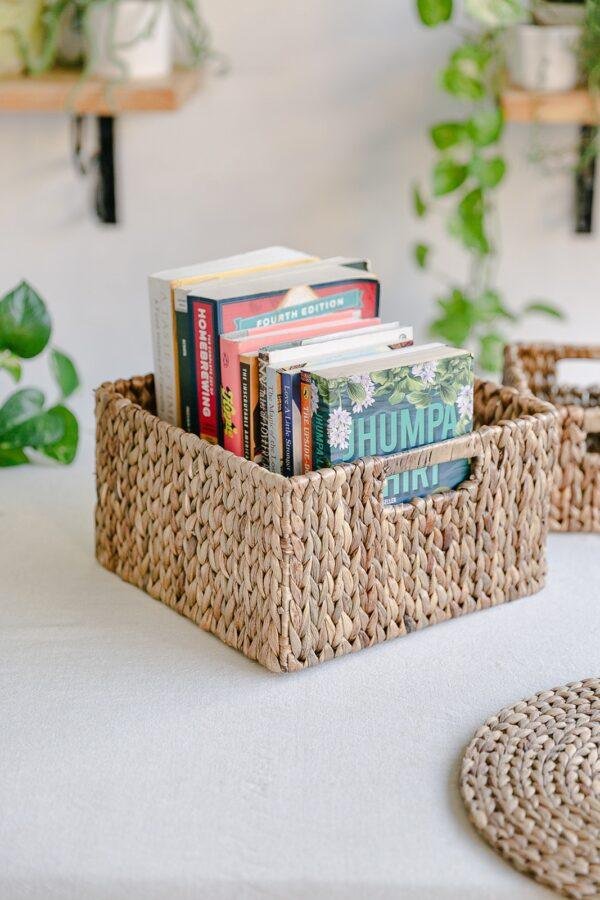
[(142, 758)]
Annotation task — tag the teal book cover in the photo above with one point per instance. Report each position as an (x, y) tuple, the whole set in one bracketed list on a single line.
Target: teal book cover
[(387, 411)]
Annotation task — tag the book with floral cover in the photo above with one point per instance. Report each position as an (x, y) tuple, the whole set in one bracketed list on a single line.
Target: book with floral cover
[(382, 407)]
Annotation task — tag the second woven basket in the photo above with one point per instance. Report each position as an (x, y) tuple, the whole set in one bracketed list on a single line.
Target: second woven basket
[(575, 502)]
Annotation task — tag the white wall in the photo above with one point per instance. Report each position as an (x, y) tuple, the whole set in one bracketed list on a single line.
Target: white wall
[(312, 140)]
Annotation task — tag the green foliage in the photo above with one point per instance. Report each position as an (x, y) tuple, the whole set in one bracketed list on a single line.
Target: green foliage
[(421, 254), (467, 171), (75, 14), (433, 12), (26, 423)]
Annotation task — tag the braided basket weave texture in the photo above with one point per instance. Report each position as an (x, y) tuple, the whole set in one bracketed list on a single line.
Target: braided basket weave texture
[(295, 571), (575, 504), (530, 780)]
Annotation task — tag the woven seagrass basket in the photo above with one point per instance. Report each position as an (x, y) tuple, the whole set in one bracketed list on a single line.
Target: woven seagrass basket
[(294, 571), (575, 502)]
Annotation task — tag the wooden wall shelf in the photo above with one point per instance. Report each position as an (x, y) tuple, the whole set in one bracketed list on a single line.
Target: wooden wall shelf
[(558, 107), (66, 91), (575, 107)]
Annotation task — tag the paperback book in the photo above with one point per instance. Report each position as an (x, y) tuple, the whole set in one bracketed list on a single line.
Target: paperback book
[(282, 381), (246, 344), (380, 408)]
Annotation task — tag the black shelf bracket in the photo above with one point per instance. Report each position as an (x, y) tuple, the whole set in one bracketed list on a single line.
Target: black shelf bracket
[(100, 165), (585, 176)]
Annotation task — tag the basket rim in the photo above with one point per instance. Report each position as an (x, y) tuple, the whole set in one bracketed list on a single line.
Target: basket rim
[(545, 412)]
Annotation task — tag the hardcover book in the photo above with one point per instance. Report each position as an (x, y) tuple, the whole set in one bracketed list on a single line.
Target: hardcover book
[(286, 298), (383, 408), (170, 355)]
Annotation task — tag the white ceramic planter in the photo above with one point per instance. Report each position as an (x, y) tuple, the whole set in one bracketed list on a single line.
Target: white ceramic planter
[(132, 38), (543, 58)]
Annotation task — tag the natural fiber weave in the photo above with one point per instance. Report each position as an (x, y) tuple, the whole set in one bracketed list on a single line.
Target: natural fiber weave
[(294, 571), (531, 783), (575, 502)]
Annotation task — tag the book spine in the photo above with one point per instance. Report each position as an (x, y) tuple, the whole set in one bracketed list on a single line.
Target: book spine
[(296, 424), (245, 377), (205, 368), (161, 320), (273, 418), (306, 407), (321, 454), (231, 397), (287, 423), (251, 360), (264, 428), (187, 394)]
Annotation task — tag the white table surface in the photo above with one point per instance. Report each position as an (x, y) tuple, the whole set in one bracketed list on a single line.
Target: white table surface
[(142, 758)]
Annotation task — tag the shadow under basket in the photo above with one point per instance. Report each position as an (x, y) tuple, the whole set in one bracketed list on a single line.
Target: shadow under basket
[(295, 571), (575, 500)]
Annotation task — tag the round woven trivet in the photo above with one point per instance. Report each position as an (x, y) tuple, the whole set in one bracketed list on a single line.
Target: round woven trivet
[(530, 780)]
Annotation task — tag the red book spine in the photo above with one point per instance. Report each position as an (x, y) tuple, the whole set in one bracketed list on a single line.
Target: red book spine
[(306, 411), (231, 397), (206, 370)]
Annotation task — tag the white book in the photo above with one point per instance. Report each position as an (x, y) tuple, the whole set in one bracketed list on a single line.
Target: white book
[(162, 287)]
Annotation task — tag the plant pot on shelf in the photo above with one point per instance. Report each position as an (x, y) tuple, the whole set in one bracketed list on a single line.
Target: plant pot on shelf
[(544, 58), (20, 26), (131, 39), (558, 12)]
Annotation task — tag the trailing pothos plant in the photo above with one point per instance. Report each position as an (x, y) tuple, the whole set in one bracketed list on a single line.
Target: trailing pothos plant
[(469, 167), (27, 421), (76, 15)]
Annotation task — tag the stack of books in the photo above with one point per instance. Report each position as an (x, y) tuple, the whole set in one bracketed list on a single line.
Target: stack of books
[(282, 358)]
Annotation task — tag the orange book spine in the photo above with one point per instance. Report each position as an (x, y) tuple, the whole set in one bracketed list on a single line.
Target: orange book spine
[(306, 410)]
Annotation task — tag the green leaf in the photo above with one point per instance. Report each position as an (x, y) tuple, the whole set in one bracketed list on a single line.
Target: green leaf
[(485, 127), (12, 458), (467, 223), (546, 309), (489, 307), (64, 449), (420, 398), (24, 322), (421, 252), (356, 392), (37, 431), (490, 355), (64, 372), (20, 406), (471, 58), (449, 392), (9, 363), (460, 85), (457, 320), (419, 205), (447, 134), (434, 12), (496, 13), (448, 175), (488, 172)]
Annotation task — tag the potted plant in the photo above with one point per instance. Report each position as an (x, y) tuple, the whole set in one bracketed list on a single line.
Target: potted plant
[(119, 39), (543, 53), (20, 26)]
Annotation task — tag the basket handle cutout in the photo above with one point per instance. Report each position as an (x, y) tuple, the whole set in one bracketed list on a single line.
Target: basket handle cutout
[(580, 371), (466, 446)]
